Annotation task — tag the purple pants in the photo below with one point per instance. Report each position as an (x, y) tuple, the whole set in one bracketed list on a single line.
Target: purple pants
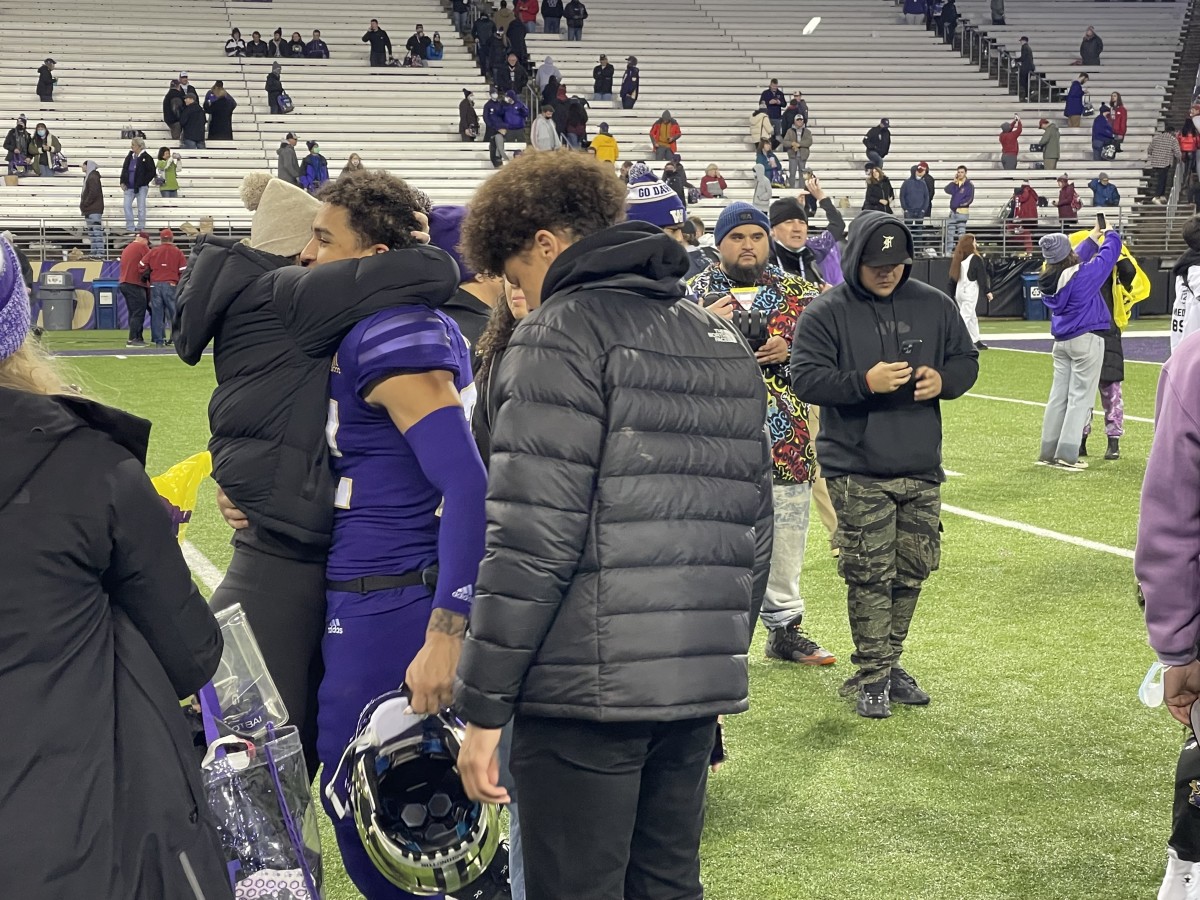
[(370, 640), (1114, 410)]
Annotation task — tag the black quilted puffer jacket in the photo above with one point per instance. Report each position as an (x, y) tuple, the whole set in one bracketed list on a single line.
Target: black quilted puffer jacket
[(629, 500)]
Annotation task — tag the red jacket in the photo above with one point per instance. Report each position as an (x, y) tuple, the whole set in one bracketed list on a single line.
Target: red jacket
[(671, 135), (1069, 202), (1119, 119), (1027, 204), (164, 263), (131, 258), (527, 10), (1009, 141)]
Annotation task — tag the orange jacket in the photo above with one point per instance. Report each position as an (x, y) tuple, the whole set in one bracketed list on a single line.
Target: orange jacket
[(665, 134)]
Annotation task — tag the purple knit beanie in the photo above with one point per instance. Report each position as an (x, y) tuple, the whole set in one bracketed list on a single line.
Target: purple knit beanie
[(14, 302), (445, 233)]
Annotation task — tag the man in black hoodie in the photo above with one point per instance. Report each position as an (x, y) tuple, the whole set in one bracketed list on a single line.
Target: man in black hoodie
[(877, 353), (46, 79), (878, 142), (612, 607), (381, 44)]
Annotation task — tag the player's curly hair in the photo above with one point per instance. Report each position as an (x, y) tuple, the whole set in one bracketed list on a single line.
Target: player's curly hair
[(568, 193), (380, 207)]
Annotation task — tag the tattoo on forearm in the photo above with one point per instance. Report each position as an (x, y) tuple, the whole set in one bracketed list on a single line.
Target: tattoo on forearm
[(442, 621)]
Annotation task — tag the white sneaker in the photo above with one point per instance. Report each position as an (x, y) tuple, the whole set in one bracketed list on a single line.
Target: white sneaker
[(1182, 881), (1159, 200), (1078, 466)]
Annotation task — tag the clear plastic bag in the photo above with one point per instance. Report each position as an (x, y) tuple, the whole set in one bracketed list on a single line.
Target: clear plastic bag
[(246, 694)]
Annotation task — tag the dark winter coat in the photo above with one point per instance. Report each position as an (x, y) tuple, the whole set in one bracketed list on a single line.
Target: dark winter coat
[(274, 87), (91, 201), (316, 49), (172, 104), (618, 583), (879, 140), (17, 141), (1074, 105), (295, 49), (877, 191), (1027, 64), (515, 35), (915, 198), (1113, 367), (511, 78), (602, 79), (274, 328), (629, 84), (289, 166), (575, 13), (191, 122), (220, 121), (143, 174), (103, 633), (467, 117), (1090, 49), (381, 44), (258, 49), (45, 85)]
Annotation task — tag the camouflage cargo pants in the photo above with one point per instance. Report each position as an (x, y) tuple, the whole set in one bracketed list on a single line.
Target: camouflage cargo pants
[(888, 535)]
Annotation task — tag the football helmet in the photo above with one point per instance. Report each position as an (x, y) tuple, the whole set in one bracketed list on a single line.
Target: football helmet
[(401, 783)]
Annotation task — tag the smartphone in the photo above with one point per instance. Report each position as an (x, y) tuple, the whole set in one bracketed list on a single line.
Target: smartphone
[(1101, 222), (809, 173), (911, 351)]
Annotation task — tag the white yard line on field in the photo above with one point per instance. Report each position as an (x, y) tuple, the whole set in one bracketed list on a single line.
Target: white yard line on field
[(1038, 532), (1095, 412), (202, 567), (1046, 337)]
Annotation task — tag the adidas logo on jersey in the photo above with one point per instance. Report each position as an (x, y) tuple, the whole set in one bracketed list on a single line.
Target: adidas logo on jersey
[(465, 594), (721, 336), (334, 627)]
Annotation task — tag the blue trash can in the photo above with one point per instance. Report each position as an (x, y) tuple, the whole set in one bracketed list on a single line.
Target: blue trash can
[(1035, 309), (106, 304)]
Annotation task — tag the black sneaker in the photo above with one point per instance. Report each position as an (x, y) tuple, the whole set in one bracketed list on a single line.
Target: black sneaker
[(791, 644), (135, 343), (1114, 449), (873, 702), (906, 690), (1083, 446), (492, 884), (980, 345)]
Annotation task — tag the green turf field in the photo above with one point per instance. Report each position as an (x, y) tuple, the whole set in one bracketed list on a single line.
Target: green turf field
[(1035, 773)]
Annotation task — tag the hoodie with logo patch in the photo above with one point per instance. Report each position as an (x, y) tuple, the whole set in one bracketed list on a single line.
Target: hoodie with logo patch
[(847, 331)]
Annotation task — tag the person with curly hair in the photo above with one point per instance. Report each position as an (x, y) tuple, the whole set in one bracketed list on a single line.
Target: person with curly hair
[(616, 407)]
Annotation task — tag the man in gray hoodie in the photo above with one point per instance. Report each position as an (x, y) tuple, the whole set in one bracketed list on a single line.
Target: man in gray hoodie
[(289, 165), (877, 353)]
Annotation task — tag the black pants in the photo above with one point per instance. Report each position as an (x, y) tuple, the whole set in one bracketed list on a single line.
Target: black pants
[(1185, 815), (284, 599), (611, 811), (378, 59), (1160, 180), (137, 301)]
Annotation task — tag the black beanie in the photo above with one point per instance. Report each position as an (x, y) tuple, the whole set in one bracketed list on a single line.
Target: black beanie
[(787, 208)]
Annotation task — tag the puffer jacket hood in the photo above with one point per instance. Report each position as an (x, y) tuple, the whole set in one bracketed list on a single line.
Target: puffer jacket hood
[(857, 238), (634, 256)]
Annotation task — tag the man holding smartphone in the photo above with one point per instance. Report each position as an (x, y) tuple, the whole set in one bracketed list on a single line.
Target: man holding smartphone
[(877, 353)]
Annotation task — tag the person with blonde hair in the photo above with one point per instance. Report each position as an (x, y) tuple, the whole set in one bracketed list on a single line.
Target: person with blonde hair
[(104, 632), (969, 278)]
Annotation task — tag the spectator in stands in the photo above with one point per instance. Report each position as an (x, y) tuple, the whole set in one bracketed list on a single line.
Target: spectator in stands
[(813, 258), (1090, 48), (1102, 133), (675, 177), (136, 175), (514, 38), (133, 287), (605, 145), (172, 105), (546, 71), (503, 18), (774, 100), (881, 455), (743, 241), (552, 13), (494, 128), (545, 133), (257, 48), (788, 117), (915, 199), (16, 147), (1104, 193), (511, 76), (1070, 282), (235, 46), (962, 195), (762, 196), (468, 119), (44, 146), (460, 14), (712, 185), (879, 194), (191, 124), (167, 173), (91, 207), (948, 21), (1010, 146), (163, 265), (602, 79), (418, 46), (1189, 143), (998, 12), (630, 83), (527, 12), (1069, 202), (577, 119), (278, 46), (46, 81), (288, 169), (1025, 205), (663, 135), (484, 32), (516, 118), (494, 55), (970, 278), (316, 48), (381, 44), (187, 87), (772, 167), (914, 11), (1162, 156), (274, 87), (801, 106), (1074, 108), (1050, 144), (220, 114), (436, 50), (575, 13), (1025, 69), (797, 141), (1118, 117), (353, 164), (699, 258), (878, 142), (295, 46), (314, 169)]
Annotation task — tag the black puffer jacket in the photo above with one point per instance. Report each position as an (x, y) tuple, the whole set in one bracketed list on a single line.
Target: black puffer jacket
[(629, 504), (274, 329), (102, 632)]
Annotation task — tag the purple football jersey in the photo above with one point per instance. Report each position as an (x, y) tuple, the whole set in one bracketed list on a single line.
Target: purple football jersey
[(385, 521)]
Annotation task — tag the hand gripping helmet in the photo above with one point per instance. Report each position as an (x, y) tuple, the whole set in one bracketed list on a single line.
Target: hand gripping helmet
[(415, 820)]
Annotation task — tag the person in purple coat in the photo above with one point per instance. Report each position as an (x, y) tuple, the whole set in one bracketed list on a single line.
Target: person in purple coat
[(1070, 283)]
